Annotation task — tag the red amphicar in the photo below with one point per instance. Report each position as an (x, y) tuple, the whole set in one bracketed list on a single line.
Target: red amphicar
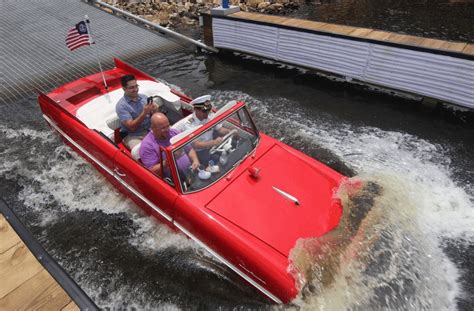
[(248, 210)]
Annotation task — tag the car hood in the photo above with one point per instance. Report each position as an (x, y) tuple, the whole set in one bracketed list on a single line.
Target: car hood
[(260, 206)]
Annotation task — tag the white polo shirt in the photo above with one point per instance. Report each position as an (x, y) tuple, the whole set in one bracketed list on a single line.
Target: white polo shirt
[(194, 122)]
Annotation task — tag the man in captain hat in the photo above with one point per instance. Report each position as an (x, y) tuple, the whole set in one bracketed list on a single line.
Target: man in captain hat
[(201, 115)]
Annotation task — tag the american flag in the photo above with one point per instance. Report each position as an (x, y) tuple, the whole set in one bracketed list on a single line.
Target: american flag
[(77, 36)]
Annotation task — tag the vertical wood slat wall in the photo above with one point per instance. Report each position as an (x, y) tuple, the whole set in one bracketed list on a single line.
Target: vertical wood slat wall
[(428, 67)]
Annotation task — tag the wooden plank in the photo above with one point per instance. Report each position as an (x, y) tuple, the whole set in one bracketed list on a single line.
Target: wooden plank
[(432, 43), (16, 266), (339, 29), (259, 17), (378, 35), (8, 236), (275, 19), (70, 307), (395, 37), (360, 32), (304, 24), (469, 49), (40, 292), (404, 39), (411, 40), (453, 46)]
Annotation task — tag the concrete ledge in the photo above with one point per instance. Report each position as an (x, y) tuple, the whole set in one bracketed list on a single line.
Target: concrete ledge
[(220, 11)]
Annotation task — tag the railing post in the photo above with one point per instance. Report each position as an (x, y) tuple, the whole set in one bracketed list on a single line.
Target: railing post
[(225, 9)]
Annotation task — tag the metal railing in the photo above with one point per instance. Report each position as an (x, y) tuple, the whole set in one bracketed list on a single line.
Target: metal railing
[(159, 28)]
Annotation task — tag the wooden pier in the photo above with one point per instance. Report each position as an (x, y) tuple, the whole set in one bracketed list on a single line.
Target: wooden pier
[(30, 279), (437, 70), (361, 33), (26, 284)]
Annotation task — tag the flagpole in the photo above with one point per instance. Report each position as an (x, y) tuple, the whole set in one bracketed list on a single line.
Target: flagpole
[(91, 41)]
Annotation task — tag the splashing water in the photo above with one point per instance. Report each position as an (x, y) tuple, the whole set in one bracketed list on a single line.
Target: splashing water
[(127, 259), (377, 258), (395, 258), (63, 177)]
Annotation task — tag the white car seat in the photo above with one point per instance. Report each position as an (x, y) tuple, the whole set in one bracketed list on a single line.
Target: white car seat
[(136, 151), (113, 122)]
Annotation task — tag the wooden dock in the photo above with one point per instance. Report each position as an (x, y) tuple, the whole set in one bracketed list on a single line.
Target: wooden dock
[(358, 32), (26, 284), (30, 279), (437, 70)]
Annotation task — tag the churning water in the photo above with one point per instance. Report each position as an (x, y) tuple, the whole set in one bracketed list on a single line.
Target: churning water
[(411, 250)]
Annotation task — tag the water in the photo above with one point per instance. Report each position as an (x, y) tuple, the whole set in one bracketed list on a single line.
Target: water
[(412, 251), (440, 19)]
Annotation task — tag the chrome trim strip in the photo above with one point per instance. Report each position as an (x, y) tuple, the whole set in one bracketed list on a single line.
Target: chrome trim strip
[(287, 195), (190, 235), (109, 171), (228, 264)]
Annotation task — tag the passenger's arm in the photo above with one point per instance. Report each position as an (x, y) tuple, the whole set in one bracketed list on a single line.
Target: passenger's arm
[(133, 124), (194, 159), (198, 144), (150, 159), (222, 131), (156, 168)]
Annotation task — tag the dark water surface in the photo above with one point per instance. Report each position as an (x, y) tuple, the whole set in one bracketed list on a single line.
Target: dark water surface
[(439, 19)]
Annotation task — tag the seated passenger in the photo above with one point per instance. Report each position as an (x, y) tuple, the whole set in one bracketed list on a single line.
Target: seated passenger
[(134, 112), (201, 115), (160, 135)]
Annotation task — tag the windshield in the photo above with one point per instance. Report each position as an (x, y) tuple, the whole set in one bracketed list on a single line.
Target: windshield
[(219, 150)]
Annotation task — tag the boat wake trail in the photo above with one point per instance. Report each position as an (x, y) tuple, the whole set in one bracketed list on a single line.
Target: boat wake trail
[(121, 257)]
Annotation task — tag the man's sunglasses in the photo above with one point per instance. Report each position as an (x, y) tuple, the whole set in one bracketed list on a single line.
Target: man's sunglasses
[(204, 109)]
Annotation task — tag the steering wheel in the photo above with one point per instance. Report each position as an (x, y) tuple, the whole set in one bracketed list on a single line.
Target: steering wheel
[(226, 141)]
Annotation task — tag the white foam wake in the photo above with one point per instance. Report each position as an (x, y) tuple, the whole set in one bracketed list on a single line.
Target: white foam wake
[(424, 202), (59, 179)]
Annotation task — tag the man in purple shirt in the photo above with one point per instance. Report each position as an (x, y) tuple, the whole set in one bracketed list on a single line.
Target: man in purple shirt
[(160, 135)]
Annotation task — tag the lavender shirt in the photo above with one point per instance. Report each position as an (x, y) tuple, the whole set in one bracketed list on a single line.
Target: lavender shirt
[(150, 150)]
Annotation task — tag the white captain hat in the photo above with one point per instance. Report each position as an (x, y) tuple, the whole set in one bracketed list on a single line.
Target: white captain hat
[(202, 102)]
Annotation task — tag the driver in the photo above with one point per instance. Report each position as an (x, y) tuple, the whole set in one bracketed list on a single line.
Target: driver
[(201, 115)]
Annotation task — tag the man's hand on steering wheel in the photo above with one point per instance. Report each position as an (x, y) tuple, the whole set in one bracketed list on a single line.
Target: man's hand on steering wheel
[(217, 141), (224, 140)]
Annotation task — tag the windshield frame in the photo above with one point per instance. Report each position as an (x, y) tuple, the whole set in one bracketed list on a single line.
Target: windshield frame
[(197, 132)]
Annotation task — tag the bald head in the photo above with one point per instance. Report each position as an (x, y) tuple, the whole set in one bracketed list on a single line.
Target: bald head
[(158, 119), (160, 125)]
